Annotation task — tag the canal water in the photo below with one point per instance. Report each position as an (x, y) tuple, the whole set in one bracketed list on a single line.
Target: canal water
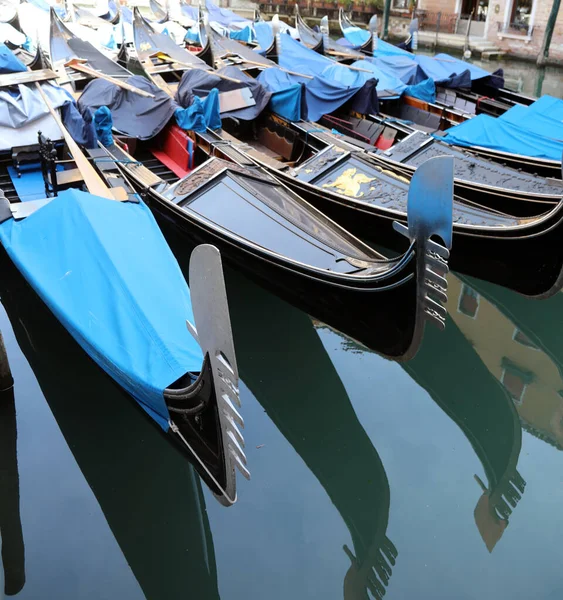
[(440, 478)]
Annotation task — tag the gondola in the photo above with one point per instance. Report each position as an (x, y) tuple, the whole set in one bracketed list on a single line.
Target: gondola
[(535, 166), (367, 46), (477, 179), (281, 242), (521, 253), (113, 14), (191, 385), (321, 42), (160, 15), (506, 249), (136, 476), (304, 255)]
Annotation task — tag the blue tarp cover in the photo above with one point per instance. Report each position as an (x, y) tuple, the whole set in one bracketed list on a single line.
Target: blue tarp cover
[(548, 106), (456, 65), (495, 134), (384, 48), (264, 34), (538, 123), (106, 272), (403, 67), (225, 17), (325, 93), (287, 94), (355, 36), (9, 63), (425, 90), (444, 72)]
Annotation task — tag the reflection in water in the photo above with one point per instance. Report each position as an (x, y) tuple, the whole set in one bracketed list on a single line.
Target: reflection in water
[(13, 551), (283, 362), (456, 378), (519, 341), (150, 495)]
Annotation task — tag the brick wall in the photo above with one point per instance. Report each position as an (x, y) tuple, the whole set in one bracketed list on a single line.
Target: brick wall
[(445, 6), (518, 44)]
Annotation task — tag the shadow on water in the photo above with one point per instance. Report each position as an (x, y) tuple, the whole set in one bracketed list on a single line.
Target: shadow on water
[(150, 495), (13, 551), (452, 372), (285, 365)]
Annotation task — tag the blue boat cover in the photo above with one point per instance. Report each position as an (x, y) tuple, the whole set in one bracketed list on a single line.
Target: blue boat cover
[(325, 93), (548, 106), (200, 83), (523, 117), (264, 35), (356, 36), (9, 62), (425, 90), (288, 94), (384, 48), (403, 67), (105, 271), (444, 73), (225, 17), (133, 115), (456, 65), (246, 34), (189, 11), (495, 134)]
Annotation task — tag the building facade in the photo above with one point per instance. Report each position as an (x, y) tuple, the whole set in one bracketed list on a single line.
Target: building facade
[(516, 27)]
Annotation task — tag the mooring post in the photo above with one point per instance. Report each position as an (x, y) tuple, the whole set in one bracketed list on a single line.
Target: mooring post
[(6, 379)]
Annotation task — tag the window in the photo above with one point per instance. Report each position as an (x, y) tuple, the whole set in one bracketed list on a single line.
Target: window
[(468, 301), (401, 4), (515, 380), (523, 339)]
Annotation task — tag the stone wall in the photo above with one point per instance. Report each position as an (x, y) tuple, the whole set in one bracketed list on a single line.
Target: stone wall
[(519, 44)]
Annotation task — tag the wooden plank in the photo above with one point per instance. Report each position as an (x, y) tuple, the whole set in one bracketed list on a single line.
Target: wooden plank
[(79, 66), (26, 77), (235, 99), (69, 176)]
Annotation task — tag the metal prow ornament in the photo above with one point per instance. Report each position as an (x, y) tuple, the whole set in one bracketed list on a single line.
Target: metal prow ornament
[(212, 330), (372, 26), (430, 213)]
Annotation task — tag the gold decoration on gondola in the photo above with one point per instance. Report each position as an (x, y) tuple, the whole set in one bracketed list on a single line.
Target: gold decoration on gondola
[(350, 182)]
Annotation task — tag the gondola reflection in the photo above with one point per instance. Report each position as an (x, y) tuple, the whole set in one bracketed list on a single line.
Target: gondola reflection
[(450, 369), (11, 536), (284, 363), (151, 497)]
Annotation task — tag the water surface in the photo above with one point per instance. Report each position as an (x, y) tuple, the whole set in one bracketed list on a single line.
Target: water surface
[(439, 478)]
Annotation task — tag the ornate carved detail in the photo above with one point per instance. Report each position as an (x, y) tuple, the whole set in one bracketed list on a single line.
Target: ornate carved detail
[(193, 181)]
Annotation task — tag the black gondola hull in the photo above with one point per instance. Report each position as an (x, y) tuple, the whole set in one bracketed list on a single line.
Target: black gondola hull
[(381, 318), (529, 262)]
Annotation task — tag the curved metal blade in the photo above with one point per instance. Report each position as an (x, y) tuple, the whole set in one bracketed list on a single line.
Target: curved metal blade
[(430, 201), (213, 332)]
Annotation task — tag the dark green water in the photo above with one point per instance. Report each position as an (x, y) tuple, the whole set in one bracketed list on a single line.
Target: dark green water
[(363, 470)]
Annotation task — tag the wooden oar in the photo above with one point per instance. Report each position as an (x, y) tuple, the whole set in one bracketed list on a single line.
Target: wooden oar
[(78, 65), (95, 184), (167, 58), (259, 64)]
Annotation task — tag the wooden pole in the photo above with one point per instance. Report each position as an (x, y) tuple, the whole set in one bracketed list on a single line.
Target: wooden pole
[(550, 26), (6, 379), (95, 184), (79, 66), (169, 59), (386, 11)]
